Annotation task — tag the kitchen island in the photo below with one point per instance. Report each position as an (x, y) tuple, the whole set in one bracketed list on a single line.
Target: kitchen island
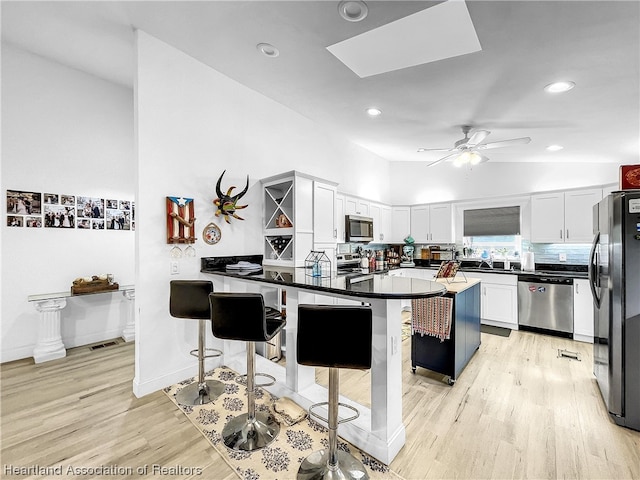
[(379, 430), (449, 356)]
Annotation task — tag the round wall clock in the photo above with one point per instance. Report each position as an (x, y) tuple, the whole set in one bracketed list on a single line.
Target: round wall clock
[(211, 234)]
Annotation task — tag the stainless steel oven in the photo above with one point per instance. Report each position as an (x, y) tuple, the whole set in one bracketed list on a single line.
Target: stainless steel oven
[(358, 228)]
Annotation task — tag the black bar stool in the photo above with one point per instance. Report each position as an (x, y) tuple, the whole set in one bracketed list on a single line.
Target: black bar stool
[(334, 337), (242, 316), (190, 299)]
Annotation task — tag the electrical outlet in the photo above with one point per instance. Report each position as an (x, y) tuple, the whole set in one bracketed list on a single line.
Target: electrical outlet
[(175, 267), (563, 257)]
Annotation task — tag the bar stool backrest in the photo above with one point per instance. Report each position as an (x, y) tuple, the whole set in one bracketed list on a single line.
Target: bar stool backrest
[(239, 316), (190, 299), (334, 336)]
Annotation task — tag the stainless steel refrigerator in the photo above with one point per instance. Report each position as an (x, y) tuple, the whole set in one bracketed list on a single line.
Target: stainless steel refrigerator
[(614, 275)]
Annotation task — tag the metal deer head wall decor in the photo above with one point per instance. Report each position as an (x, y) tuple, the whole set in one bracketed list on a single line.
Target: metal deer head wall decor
[(227, 204)]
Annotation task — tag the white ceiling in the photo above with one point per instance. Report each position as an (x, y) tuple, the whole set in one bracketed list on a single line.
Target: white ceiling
[(525, 45)]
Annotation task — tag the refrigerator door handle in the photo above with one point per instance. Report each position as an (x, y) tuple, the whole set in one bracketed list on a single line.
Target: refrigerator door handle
[(593, 270)]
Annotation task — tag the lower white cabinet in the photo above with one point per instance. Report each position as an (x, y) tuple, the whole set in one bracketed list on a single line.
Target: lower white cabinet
[(582, 311), (499, 299)]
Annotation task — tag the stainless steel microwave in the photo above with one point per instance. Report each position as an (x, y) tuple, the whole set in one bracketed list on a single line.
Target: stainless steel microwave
[(358, 228)]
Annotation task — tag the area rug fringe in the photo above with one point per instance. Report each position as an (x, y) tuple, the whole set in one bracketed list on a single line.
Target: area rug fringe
[(279, 460)]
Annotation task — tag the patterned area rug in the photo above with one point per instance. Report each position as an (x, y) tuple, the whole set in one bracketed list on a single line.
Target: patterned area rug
[(282, 458)]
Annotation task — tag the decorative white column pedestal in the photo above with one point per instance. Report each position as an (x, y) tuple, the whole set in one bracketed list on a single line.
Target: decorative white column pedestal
[(129, 332), (49, 345)]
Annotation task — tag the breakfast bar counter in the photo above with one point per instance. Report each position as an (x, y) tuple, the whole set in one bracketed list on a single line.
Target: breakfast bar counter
[(379, 430)]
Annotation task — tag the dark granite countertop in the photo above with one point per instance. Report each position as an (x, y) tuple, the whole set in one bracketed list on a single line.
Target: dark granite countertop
[(379, 285), (542, 269)]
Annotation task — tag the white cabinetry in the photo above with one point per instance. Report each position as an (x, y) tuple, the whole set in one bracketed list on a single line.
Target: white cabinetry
[(563, 217), (356, 206), (582, 311), (432, 223), (381, 215), (325, 231), (400, 224), (340, 212), (324, 213), (288, 217), (499, 299)]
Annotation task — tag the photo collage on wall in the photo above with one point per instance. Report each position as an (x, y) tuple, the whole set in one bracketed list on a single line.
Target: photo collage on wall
[(54, 210)]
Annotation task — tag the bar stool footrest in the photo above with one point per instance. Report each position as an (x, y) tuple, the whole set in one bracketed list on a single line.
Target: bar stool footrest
[(242, 380), (218, 353), (340, 404)]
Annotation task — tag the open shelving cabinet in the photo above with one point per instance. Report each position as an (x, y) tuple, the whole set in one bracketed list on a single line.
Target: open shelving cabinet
[(287, 217)]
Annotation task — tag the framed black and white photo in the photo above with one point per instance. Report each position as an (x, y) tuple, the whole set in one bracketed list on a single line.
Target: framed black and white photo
[(33, 222), (90, 207), (59, 216), (118, 219), (15, 220), (68, 200), (24, 203), (51, 198)]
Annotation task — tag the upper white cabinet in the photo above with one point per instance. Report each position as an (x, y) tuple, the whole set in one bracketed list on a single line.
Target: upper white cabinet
[(324, 213), (356, 206), (563, 217), (400, 224), (432, 223), (381, 215), (340, 212)]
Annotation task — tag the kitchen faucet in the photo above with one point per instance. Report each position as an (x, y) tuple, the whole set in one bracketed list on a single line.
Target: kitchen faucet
[(488, 262)]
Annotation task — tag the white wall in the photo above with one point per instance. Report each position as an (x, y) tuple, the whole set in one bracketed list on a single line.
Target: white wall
[(444, 182), (66, 132), (193, 123)]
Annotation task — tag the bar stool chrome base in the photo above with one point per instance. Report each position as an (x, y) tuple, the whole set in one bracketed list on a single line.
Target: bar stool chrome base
[(241, 434), (316, 467), (193, 394)]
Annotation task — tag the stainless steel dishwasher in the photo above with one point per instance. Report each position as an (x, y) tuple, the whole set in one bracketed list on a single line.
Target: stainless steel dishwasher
[(546, 302)]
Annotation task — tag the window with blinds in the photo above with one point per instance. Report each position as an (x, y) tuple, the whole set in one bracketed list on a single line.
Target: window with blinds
[(492, 221)]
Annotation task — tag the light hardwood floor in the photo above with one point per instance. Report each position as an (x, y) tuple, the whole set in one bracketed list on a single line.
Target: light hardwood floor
[(517, 411)]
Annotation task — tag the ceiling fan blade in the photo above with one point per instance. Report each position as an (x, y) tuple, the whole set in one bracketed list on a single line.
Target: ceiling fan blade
[(446, 157), (435, 149), (477, 137), (505, 143)]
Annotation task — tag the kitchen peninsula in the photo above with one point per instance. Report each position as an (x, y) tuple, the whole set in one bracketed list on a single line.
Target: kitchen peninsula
[(379, 430)]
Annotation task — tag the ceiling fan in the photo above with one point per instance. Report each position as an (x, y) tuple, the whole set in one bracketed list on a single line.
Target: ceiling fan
[(467, 149)]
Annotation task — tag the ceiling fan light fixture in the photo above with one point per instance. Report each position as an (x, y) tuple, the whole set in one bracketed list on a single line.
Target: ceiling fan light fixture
[(352, 10), (474, 158), (559, 87), (468, 158)]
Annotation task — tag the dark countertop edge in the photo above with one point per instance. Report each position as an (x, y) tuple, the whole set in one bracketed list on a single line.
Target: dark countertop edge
[(339, 291), (501, 271)]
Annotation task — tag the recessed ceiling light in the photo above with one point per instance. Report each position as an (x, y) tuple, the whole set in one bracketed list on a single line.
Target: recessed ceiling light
[(374, 112), (554, 148), (268, 50), (352, 10), (559, 87)]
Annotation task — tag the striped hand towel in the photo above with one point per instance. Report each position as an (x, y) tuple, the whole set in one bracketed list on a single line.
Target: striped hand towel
[(432, 316)]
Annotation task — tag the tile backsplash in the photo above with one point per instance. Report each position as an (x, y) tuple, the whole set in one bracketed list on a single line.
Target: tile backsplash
[(577, 254)]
